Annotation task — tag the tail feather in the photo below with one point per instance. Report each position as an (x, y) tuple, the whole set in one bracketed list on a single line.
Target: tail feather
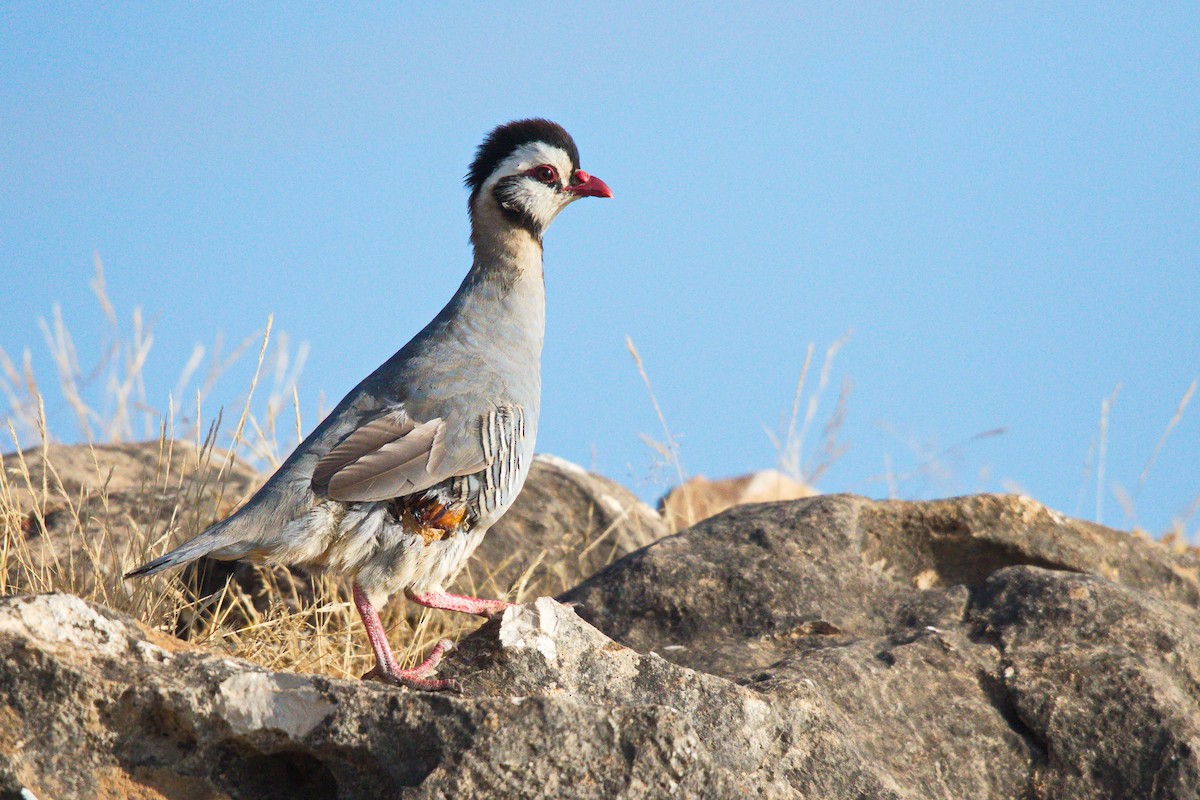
[(216, 538)]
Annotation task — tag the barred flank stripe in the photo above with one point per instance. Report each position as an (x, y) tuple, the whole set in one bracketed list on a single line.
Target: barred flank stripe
[(502, 435)]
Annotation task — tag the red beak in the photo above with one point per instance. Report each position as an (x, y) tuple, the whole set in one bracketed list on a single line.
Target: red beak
[(586, 185)]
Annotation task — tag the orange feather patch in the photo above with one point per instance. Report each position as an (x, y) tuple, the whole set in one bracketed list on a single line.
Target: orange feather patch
[(432, 520)]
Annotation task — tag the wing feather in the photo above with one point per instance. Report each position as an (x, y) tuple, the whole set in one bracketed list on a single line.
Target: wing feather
[(394, 469), (394, 455), (364, 439)]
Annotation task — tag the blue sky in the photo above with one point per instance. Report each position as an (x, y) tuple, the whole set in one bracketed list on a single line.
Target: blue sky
[(999, 200)]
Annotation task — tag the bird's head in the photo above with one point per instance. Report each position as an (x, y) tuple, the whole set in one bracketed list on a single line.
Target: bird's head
[(527, 171)]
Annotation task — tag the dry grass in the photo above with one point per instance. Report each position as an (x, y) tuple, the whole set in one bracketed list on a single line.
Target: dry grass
[(933, 465), (667, 452), (793, 433)]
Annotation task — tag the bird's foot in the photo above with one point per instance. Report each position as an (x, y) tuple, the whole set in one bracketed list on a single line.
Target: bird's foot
[(415, 678), (404, 677), (457, 602)]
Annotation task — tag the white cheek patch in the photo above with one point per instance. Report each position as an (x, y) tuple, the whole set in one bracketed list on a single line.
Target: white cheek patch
[(539, 201)]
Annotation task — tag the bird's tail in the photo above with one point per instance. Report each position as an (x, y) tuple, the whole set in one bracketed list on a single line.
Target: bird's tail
[(218, 541)]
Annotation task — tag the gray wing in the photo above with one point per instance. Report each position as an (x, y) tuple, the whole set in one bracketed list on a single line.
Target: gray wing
[(394, 455)]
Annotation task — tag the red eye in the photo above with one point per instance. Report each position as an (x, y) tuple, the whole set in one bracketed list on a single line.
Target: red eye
[(546, 173)]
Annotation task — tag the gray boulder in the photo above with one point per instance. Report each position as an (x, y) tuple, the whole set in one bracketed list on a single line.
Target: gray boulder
[(741, 590), (1102, 680), (976, 647)]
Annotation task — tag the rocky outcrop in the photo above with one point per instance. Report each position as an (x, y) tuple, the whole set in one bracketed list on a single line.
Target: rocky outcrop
[(967, 648), (95, 707), (835, 647), (762, 578)]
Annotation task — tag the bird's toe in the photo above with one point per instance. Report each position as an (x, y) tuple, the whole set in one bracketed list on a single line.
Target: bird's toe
[(409, 680)]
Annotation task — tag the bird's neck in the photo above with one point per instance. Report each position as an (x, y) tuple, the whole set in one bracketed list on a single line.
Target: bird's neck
[(507, 255), (505, 289)]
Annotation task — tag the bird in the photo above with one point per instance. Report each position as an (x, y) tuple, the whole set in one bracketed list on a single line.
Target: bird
[(398, 485)]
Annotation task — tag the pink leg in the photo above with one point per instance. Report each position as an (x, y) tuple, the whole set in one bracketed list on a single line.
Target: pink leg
[(386, 668), (458, 602)]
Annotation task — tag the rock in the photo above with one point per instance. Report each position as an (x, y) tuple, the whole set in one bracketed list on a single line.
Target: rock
[(96, 706), (760, 747), (1102, 679), (699, 498), (981, 647), (916, 709), (761, 578), (976, 647), (124, 469)]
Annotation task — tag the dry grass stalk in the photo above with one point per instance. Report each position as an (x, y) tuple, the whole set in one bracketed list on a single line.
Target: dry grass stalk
[(1102, 451), (668, 449), (934, 465), (1174, 421), (793, 431)]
